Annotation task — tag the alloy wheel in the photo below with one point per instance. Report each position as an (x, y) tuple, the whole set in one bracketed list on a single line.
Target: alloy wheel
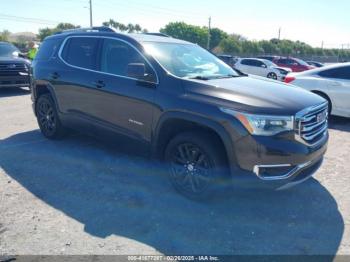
[(190, 168), (46, 117)]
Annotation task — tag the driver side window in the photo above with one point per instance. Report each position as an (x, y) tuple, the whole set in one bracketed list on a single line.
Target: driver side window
[(117, 56)]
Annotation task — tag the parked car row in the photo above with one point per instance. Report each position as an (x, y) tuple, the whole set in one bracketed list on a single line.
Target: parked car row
[(330, 82), (274, 67)]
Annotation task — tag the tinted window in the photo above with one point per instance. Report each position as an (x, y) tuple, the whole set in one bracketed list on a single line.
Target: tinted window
[(258, 63), (339, 73), (81, 52), (248, 62), (286, 61), (117, 55), (48, 49)]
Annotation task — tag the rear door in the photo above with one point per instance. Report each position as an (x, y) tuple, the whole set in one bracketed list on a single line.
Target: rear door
[(246, 66), (260, 68), (74, 81), (338, 83)]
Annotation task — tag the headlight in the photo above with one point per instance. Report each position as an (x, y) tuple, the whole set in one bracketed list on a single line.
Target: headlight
[(262, 125)]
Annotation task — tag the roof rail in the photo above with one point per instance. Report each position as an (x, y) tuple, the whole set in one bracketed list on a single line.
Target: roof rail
[(157, 34), (88, 29)]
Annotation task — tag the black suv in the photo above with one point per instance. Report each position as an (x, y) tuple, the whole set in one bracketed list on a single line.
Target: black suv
[(194, 112), (14, 71)]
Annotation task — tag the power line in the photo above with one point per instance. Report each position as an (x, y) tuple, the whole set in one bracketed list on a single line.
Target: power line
[(148, 10), (27, 19)]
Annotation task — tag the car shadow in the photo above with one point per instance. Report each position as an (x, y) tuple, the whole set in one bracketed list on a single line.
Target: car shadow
[(11, 92), (339, 123), (113, 193)]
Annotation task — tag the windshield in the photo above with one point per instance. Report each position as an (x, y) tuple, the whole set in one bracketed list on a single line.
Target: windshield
[(188, 60), (301, 62), (269, 63), (7, 49)]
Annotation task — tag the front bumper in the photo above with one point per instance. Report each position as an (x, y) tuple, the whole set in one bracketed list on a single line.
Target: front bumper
[(14, 81), (276, 162)]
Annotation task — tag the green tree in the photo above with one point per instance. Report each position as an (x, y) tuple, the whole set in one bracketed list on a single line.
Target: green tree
[(130, 28), (216, 36), (191, 33), (5, 35), (45, 32), (231, 46)]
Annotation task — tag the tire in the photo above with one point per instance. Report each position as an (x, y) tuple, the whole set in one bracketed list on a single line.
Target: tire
[(196, 164), (272, 75), (47, 117)]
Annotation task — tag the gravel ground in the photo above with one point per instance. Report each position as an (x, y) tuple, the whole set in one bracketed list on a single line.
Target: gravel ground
[(80, 196)]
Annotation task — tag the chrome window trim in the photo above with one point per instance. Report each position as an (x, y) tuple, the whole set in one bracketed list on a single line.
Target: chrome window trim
[(101, 72)]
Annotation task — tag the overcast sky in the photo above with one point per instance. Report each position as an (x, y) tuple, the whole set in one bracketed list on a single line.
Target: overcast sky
[(309, 21)]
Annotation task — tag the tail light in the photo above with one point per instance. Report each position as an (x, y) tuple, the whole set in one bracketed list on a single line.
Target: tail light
[(289, 79)]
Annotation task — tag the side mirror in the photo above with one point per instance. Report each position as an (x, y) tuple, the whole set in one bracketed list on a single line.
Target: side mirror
[(136, 70), (264, 66)]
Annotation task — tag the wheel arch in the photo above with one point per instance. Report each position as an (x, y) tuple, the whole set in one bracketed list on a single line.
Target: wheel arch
[(41, 88), (172, 123), (325, 96)]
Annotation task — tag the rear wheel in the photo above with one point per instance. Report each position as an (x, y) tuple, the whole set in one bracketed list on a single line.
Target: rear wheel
[(48, 120), (272, 75), (196, 164)]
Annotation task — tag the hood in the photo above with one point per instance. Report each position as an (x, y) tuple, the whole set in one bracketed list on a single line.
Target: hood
[(13, 59), (283, 68), (253, 95)]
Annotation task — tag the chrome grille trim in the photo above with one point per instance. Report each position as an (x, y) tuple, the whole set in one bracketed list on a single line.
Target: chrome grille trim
[(18, 67), (307, 128)]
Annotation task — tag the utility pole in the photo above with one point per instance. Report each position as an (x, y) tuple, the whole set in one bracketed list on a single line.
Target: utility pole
[(322, 45), (209, 36), (279, 33), (90, 2)]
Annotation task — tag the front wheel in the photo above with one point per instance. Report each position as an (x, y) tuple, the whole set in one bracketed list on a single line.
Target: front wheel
[(197, 164), (272, 76), (48, 120)]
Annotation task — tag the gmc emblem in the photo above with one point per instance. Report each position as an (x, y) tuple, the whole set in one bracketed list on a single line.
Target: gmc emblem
[(11, 66), (321, 117)]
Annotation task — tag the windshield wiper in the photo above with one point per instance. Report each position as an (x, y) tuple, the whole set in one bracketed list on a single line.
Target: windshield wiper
[(200, 78), (225, 76)]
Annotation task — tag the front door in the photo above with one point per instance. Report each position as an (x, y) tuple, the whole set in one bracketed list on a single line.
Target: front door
[(124, 102)]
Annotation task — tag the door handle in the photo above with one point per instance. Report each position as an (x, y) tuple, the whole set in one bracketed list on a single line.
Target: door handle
[(54, 75), (99, 84)]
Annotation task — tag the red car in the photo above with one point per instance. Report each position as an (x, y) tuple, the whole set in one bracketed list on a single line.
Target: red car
[(297, 65)]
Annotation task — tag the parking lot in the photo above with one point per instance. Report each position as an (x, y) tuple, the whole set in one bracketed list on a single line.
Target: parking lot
[(82, 196)]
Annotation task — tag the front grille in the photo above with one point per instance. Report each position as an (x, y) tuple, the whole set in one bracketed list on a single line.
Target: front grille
[(312, 124), (12, 68)]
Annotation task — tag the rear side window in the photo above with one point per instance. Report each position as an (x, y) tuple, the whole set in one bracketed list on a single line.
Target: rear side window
[(81, 52), (248, 62), (337, 73), (287, 62), (48, 49)]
